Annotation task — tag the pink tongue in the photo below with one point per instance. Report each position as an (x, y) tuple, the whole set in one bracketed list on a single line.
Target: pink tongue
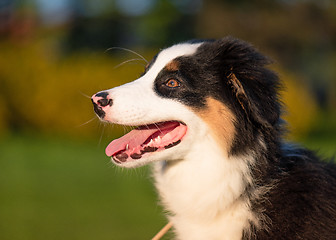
[(137, 137)]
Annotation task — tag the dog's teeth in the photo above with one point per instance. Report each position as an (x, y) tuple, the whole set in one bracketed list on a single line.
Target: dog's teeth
[(151, 142), (127, 147), (158, 140)]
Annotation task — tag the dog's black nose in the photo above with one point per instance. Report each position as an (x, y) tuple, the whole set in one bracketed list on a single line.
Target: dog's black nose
[(98, 110), (101, 94), (104, 102), (101, 100)]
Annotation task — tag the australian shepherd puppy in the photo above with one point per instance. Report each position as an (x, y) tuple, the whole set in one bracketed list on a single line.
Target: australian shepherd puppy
[(207, 116)]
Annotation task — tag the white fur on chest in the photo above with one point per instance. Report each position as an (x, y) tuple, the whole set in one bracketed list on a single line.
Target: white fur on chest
[(203, 193)]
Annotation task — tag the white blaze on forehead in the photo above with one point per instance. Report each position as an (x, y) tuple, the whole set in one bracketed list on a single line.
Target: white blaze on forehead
[(169, 54)]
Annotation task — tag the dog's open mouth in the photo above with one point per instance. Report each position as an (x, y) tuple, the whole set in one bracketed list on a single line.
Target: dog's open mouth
[(146, 139)]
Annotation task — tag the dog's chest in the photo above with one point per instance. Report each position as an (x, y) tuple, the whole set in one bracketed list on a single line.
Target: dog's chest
[(202, 196)]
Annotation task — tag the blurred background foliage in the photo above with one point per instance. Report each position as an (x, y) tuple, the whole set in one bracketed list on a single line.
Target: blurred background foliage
[(55, 181)]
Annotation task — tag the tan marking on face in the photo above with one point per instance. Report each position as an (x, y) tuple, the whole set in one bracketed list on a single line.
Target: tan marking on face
[(172, 66), (221, 121)]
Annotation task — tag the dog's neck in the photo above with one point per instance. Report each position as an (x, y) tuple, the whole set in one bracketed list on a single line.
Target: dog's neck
[(206, 189)]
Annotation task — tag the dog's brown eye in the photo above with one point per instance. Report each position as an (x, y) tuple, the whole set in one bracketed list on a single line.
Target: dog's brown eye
[(172, 83)]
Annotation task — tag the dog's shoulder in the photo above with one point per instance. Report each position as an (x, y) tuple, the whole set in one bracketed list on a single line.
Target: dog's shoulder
[(302, 202), (299, 162)]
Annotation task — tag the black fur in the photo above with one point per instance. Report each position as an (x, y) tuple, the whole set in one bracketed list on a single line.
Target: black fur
[(302, 203), (294, 193)]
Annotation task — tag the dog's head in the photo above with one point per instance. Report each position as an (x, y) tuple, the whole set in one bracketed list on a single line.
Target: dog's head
[(187, 92)]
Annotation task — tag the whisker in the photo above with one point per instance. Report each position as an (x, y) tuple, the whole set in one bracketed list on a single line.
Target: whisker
[(127, 50), (125, 129), (101, 135), (127, 61), (155, 124), (129, 129), (85, 95), (81, 125)]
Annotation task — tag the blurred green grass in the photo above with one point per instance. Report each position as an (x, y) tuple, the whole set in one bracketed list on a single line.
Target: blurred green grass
[(61, 189)]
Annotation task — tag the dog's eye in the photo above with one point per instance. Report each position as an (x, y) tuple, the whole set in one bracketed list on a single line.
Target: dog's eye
[(172, 83)]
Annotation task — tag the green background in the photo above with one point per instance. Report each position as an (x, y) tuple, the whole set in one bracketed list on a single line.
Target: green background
[(55, 180)]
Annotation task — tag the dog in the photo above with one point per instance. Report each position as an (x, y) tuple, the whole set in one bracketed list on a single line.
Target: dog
[(207, 116)]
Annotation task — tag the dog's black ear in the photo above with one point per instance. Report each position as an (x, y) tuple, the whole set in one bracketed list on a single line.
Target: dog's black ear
[(243, 70), (255, 102), (254, 86)]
